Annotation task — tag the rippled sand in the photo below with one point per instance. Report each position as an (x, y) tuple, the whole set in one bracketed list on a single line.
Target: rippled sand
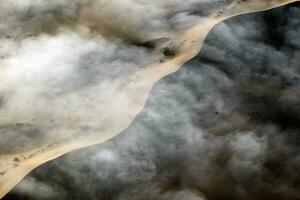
[(129, 100)]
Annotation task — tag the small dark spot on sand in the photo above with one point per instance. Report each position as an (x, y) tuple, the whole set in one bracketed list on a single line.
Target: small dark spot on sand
[(2, 173), (168, 52), (152, 44)]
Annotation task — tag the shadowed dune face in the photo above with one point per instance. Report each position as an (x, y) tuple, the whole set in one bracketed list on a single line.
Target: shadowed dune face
[(73, 75)]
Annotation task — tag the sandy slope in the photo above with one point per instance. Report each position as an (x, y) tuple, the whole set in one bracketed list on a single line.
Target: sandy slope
[(130, 99)]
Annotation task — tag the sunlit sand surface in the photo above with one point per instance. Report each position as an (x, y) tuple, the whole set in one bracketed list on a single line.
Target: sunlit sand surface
[(122, 105)]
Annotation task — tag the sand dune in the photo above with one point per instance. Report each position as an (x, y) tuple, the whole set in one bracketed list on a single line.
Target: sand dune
[(122, 105)]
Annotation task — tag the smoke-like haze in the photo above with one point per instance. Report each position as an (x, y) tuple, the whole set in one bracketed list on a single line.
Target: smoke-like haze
[(58, 58), (225, 126), (128, 19)]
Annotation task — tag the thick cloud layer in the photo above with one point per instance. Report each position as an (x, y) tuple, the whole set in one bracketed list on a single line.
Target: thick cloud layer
[(46, 78), (226, 126), (138, 19), (60, 57), (128, 19)]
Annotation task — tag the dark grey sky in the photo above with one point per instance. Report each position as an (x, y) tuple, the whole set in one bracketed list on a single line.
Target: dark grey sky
[(225, 126)]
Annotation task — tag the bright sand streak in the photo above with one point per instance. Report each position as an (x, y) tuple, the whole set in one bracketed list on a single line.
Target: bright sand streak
[(133, 96)]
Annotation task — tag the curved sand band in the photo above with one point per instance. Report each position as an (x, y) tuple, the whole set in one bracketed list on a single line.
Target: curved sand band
[(131, 98)]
